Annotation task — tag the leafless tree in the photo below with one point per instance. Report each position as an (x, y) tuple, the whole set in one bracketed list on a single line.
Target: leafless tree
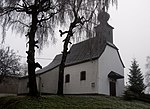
[(9, 63), (82, 15), (36, 19), (24, 70)]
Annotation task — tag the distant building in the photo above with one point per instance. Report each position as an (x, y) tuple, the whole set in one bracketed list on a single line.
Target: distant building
[(93, 66)]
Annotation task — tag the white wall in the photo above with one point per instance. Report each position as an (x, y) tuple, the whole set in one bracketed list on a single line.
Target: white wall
[(22, 87), (49, 82), (109, 61), (75, 86), (46, 83)]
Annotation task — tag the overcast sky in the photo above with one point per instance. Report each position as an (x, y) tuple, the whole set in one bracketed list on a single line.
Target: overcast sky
[(131, 22), (132, 30)]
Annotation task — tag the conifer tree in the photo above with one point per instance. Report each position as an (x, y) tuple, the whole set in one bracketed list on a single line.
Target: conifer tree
[(136, 84)]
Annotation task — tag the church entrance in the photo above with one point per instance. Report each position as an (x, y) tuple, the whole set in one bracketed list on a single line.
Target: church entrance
[(113, 76), (112, 87)]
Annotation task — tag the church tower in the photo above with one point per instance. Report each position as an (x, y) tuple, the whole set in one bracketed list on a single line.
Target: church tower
[(104, 31)]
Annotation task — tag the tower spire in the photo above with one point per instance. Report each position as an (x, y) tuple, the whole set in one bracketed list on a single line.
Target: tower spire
[(104, 31)]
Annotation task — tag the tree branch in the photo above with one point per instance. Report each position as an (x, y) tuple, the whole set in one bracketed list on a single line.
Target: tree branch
[(45, 19), (62, 33), (15, 21)]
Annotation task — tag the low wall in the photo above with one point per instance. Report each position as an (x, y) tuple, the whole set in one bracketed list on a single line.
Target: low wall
[(9, 85)]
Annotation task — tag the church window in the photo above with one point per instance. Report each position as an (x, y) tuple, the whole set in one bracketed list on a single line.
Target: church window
[(83, 75), (67, 78)]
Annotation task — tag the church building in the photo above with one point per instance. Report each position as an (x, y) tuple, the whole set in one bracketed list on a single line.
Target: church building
[(94, 66)]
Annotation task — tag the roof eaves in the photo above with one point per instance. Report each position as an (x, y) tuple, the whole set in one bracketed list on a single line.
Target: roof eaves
[(120, 59), (48, 70), (112, 45), (75, 63)]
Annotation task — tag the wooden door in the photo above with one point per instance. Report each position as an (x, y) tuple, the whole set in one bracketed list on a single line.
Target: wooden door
[(112, 87)]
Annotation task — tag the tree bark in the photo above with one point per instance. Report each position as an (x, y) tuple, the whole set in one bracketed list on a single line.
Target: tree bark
[(64, 57), (62, 66), (30, 58)]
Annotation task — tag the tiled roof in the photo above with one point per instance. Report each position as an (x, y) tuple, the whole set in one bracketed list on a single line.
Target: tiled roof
[(85, 51), (81, 52), (52, 65)]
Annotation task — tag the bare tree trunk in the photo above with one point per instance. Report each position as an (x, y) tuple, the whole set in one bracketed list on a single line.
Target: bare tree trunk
[(77, 20), (64, 57), (30, 58), (62, 66)]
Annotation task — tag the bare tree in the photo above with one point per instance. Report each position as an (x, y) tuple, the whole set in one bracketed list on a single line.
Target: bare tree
[(36, 19), (9, 63), (83, 15), (24, 70)]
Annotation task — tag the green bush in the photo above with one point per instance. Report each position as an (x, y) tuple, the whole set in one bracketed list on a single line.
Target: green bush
[(129, 95), (144, 97)]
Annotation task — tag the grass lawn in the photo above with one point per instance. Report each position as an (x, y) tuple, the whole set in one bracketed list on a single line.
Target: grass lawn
[(70, 102)]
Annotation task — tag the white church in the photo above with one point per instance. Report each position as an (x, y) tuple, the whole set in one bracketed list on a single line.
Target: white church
[(94, 66)]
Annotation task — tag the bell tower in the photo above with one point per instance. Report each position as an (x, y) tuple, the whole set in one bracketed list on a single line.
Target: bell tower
[(104, 31)]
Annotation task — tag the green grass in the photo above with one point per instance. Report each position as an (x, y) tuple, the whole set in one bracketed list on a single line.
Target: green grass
[(70, 102)]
